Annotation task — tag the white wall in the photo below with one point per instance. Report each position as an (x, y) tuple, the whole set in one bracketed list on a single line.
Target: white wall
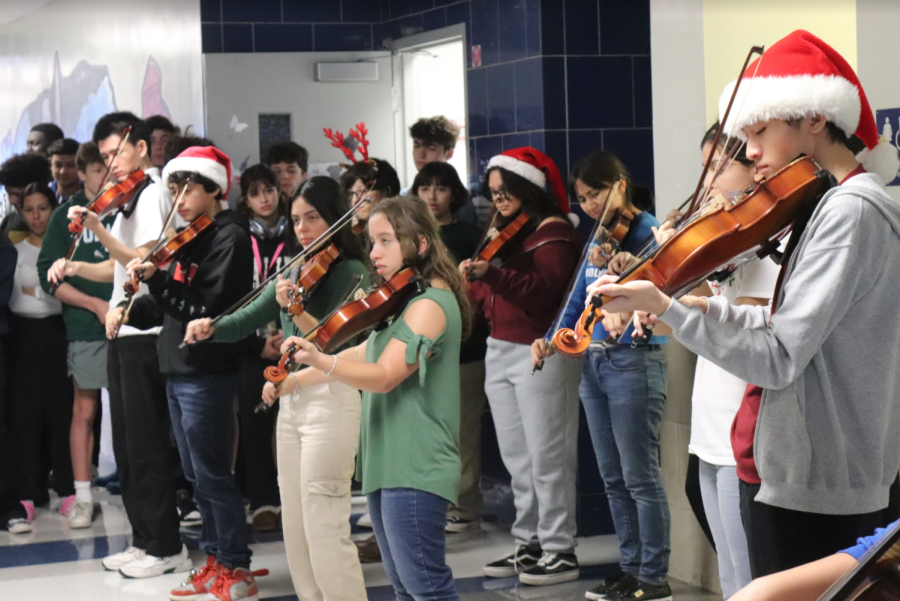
[(72, 61), (245, 85), (679, 121), (878, 48)]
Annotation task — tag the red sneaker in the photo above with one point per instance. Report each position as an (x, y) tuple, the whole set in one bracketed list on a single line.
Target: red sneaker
[(199, 582), (238, 584)]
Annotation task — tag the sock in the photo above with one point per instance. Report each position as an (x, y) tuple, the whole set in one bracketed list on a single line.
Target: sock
[(83, 491)]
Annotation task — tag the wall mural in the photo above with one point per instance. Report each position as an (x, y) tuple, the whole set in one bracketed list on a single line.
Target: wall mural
[(146, 59), (76, 102)]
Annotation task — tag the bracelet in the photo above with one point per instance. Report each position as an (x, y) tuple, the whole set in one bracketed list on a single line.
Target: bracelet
[(331, 371)]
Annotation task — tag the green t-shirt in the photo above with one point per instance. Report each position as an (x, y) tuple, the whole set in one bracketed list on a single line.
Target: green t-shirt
[(410, 435), (81, 324), (327, 296)]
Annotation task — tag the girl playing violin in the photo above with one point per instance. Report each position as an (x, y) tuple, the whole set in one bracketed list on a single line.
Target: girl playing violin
[(536, 418), (317, 427), (623, 390), (409, 375)]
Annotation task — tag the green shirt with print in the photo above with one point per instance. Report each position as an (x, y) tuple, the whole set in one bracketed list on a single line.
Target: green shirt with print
[(81, 324)]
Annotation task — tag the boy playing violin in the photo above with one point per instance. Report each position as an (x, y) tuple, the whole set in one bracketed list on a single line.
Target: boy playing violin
[(211, 273), (137, 399), (817, 441)]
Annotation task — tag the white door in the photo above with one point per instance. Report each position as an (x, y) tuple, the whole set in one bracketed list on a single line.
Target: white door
[(430, 74)]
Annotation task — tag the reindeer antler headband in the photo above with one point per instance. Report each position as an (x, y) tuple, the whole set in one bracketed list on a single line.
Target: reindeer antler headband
[(359, 134)]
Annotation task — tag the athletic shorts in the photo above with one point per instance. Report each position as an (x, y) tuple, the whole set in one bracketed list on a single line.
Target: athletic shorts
[(87, 363)]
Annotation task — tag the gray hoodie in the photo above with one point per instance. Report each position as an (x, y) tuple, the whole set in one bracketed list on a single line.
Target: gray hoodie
[(828, 432)]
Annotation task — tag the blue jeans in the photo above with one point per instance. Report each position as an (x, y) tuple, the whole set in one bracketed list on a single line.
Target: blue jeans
[(202, 410), (623, 391), (409, 527)]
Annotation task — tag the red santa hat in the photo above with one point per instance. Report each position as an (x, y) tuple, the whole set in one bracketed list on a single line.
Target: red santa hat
[(208, 161), (539, 169), (800, 76)]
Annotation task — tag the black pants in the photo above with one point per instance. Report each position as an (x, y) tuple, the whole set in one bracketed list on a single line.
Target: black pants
[(256, 436), (9, 492), (40, 398), (779, 539), (139, 411), (695, 497)]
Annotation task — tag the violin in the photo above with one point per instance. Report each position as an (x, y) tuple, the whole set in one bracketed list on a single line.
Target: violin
[(494, 241), (310, 274), (748, 226), (360, 315), (168, 250), (876, 578), (277, 373), (610, 239), (114, 196), (161, 255)]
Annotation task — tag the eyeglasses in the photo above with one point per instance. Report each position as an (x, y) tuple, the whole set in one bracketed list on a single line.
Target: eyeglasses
[(499, 195)]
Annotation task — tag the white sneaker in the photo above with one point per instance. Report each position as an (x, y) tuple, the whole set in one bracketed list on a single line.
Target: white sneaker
[(81, 514), (114, 562), (18, 526), (364, 521), (150, 565)]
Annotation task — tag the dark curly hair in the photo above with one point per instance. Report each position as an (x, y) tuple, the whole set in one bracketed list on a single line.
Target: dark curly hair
[(435, 130), (22, 169), (179, 143), (386, 181), (261, 173), (52, 132)]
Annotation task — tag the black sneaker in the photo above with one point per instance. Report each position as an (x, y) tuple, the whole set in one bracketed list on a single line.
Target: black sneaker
[(552, 568), (618, 580), (641, 591), (523, 558), (188, 513)]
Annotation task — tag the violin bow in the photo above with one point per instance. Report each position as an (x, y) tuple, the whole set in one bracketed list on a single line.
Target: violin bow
[(75, 243), (695, 197), (351, 289), (123, 316), (301, 256), (585, 253)]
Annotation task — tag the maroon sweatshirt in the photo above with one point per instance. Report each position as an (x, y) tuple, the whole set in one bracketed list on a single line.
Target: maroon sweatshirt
[(521, 297)]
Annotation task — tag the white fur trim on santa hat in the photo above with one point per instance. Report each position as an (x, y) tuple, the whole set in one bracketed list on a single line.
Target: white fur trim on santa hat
[(209, 168), (882, 160), (792, 97), (529, 172)]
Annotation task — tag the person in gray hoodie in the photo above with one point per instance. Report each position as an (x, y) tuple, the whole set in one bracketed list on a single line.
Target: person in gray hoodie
[(817, 439)]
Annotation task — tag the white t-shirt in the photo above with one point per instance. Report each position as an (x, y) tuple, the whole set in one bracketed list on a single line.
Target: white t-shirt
[(142, 227), (717, 393), (41, 305)]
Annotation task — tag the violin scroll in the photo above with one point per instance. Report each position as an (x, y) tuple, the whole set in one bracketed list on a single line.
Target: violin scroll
[(574, 342)]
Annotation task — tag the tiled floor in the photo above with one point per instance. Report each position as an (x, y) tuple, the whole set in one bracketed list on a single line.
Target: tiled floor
[(53, 563)]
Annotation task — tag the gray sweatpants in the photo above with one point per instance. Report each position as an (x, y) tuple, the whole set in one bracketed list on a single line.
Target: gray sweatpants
[(536, 418)]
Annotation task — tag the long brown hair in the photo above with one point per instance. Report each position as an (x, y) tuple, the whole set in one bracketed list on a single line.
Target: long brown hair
[(410, 217)]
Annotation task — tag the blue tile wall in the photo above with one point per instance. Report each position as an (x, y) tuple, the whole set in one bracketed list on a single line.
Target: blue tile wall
[(277, 37), (565, 76)]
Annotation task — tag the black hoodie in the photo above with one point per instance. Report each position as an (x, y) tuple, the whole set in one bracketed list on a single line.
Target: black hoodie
[(213, 272)]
